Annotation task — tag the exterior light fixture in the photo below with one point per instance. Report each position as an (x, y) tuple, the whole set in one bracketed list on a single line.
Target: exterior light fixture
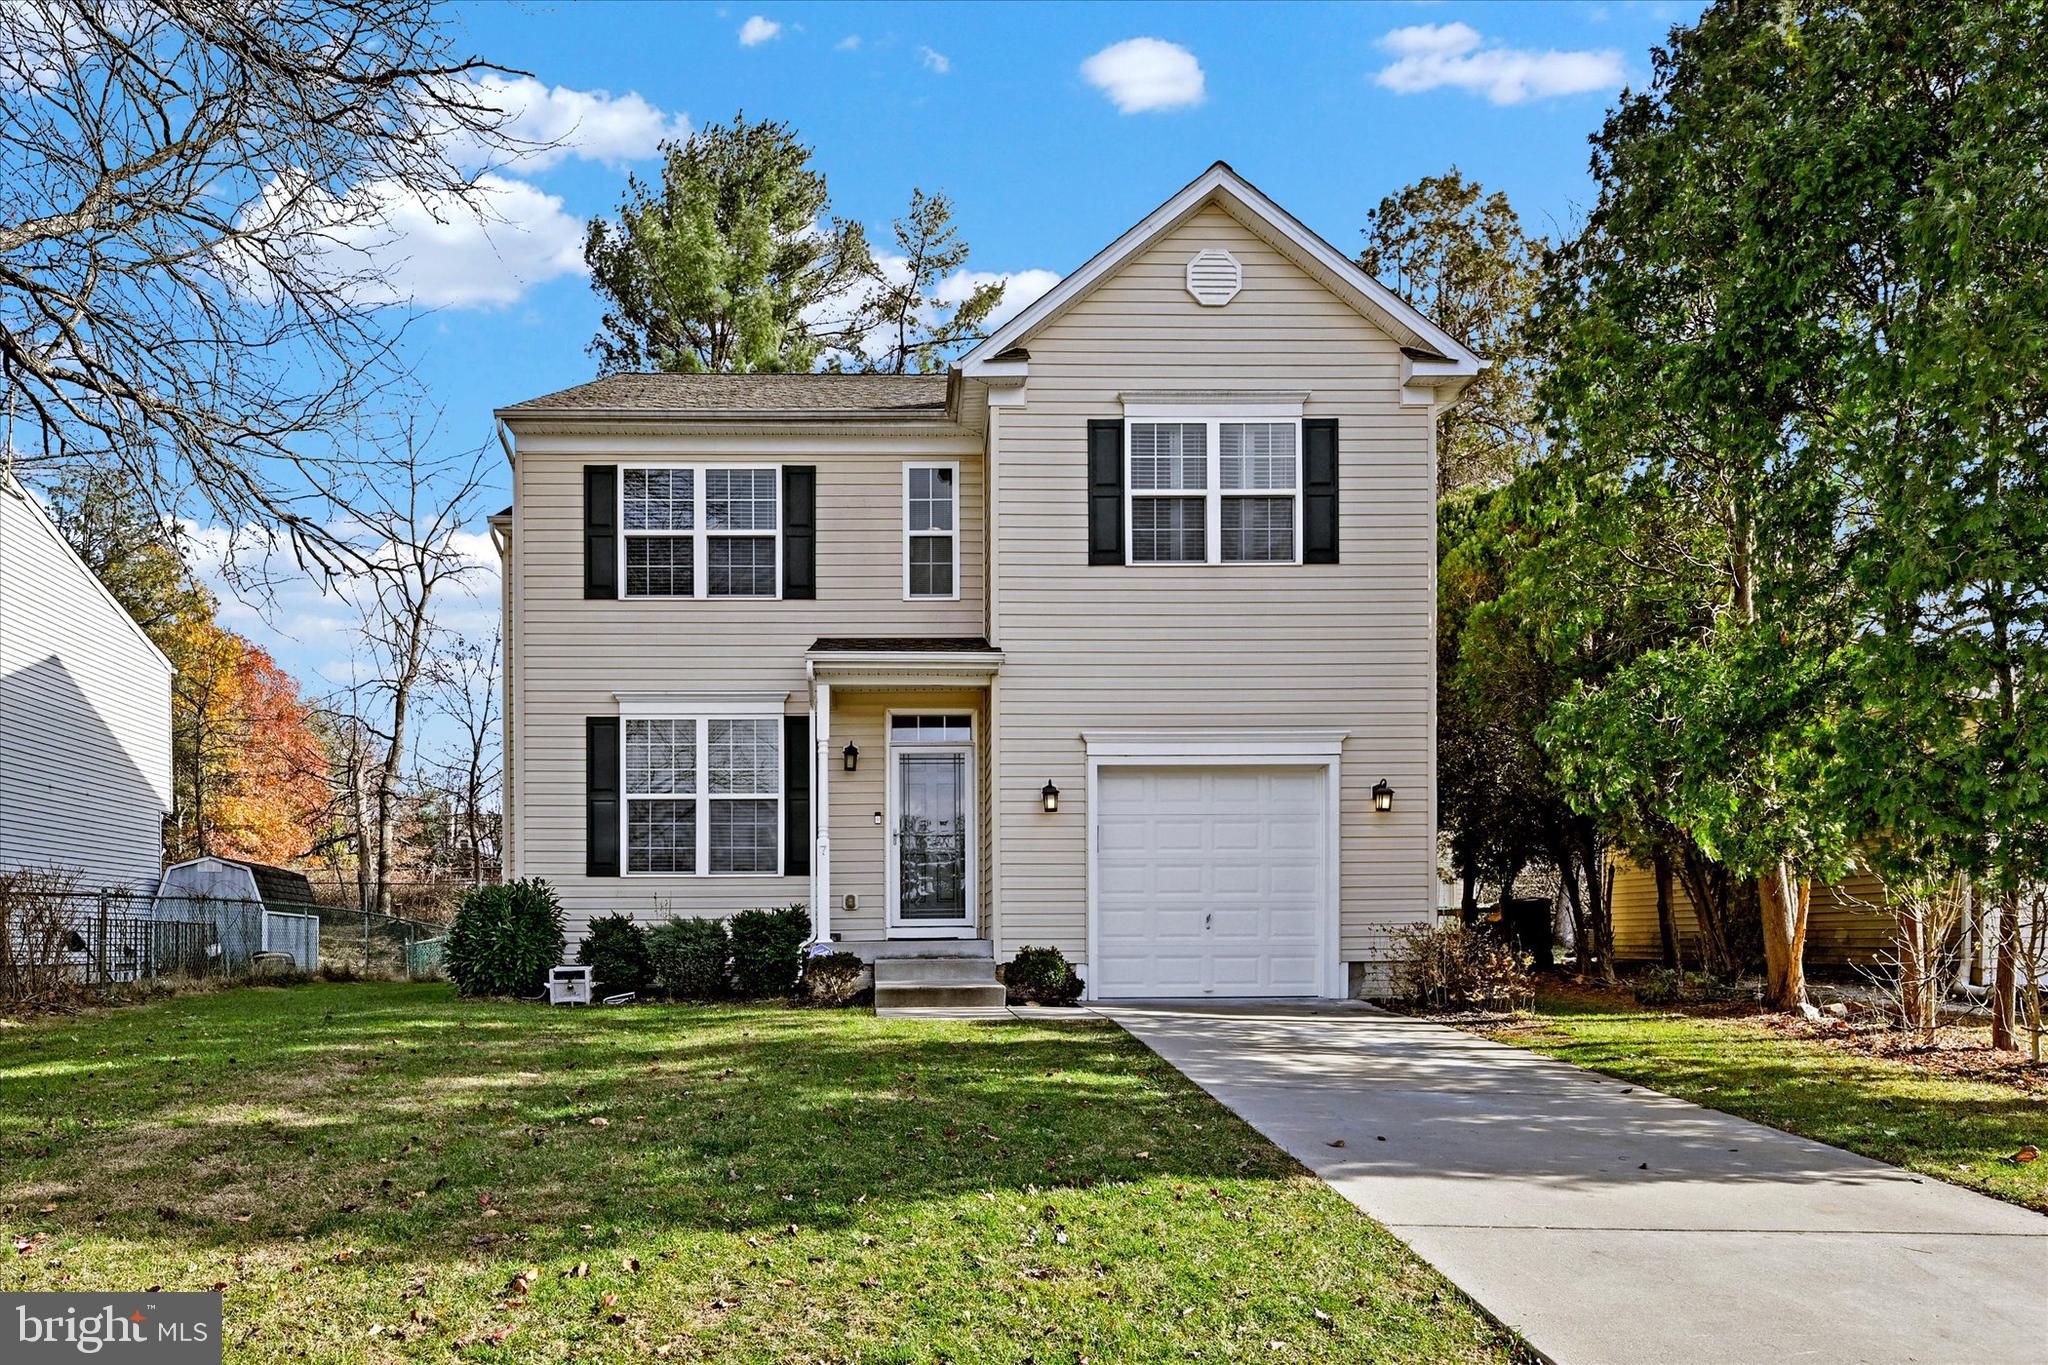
[(1382, 796), (851, 756), (1051, 796), (878, 817)]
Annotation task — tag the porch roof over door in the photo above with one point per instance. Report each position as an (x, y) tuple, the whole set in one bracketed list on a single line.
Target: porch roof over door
[(876, 661)]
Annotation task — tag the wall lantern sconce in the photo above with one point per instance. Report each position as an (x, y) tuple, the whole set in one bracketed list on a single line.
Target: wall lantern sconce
[(1382, 796), (878, 817), (850, 755), (1050, 795)]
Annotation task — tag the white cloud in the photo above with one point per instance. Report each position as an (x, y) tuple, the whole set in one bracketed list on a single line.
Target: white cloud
[(1021, 289), (385, 245), (312, 625), (850, 43), (1144, 74), (1433, 56), (591, 125), (757, 31), (935, 61)]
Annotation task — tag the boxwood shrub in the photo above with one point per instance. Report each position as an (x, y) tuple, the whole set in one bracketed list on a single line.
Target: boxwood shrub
[(505, 938), (614, 947), (691, 958), (1040, 976), (768, 950)]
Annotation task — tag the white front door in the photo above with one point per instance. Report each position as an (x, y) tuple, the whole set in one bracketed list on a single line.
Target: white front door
[(931, 826), (1211, 881)]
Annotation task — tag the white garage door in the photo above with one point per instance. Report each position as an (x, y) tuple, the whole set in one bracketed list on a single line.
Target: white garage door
[(1210, 881)]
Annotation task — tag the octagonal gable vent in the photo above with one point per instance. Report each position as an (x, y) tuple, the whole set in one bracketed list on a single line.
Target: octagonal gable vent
[(1214, 277)]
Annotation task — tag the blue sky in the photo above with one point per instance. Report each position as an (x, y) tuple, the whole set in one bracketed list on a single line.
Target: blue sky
[(1053, 128)]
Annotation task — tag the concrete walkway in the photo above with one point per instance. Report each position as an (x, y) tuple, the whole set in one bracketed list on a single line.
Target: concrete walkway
[(1606, 1222)]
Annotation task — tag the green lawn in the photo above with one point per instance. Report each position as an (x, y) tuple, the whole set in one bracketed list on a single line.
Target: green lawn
[(375, 1172), (1958, 1130)]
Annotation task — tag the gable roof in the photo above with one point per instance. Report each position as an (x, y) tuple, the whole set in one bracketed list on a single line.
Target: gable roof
[(1249, 205), (11, 487), (871, 396)]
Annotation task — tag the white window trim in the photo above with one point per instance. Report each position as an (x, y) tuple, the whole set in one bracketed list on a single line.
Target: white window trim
[(953, 466), (702, 796), (700, 534), (1213, 493)]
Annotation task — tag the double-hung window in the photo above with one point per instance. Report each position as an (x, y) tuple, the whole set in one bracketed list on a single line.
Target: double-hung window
[(703, 794), (700, 531), (931, 530), (1214, 490)]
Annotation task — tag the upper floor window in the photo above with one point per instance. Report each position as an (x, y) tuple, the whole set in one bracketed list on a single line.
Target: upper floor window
[(703, 795), (931, 530), (1214, 490), (700, 531)]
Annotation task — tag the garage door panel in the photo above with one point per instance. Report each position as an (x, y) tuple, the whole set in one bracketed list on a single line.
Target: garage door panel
[(1210, 881)]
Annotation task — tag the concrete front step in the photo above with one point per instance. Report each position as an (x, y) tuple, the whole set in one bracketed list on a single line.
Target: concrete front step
[(934, 971), (924, 995), (878, 949)]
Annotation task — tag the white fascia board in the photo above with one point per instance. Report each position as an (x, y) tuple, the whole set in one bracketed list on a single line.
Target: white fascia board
[(1245, 201), (723, 705), (1216, 742)]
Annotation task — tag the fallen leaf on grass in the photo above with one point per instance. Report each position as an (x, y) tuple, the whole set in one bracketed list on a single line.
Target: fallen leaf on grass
[(581, 1270), (2025, 1154), (47, 1208), (600, 1122)]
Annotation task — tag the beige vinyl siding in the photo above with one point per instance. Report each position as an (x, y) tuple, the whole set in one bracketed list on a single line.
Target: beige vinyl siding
[(571, 657), (85, 715), (860, 846), (1345, 646), (1846, 922)]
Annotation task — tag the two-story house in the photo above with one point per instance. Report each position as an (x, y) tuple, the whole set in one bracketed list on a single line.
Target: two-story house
[(1118, 636)]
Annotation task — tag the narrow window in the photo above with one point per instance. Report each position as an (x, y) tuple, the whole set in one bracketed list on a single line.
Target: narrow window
[(931, 530), (746, 782), (1169, 482), (1260, 478), (660, 507), (739, 520), (661, 786)]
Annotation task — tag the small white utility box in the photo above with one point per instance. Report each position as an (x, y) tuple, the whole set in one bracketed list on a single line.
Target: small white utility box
[(569, 985)]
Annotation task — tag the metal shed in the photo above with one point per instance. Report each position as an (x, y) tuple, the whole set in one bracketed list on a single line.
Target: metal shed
[(253, 908)]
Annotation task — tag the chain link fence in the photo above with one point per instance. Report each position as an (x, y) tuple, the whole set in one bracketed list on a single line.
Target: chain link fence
[(56, 941)]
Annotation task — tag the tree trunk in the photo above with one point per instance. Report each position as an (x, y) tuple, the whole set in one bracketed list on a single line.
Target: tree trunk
[(1468, 898), (1667, 918), (1783, 897), (1582, 947), (2005, 977), (1597, 917)]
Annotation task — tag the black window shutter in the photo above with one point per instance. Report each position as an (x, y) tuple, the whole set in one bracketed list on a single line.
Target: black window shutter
[(796, 796), (600, 530), (800, 531), (1319, 490), (601, 796), (1106, 490)]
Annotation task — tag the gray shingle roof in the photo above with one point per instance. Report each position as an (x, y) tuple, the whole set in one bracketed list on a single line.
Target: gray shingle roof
[(833, 395)]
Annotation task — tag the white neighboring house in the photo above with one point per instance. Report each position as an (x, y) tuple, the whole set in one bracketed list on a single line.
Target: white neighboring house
[(85, 714)]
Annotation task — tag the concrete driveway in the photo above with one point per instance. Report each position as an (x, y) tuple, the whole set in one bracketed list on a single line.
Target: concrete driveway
[(1606, 1222)]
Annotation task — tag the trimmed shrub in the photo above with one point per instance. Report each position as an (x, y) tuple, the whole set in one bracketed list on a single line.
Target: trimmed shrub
[(1040, 976), (505, 938), (768, 950), (614, 947), (1461, 969), (834, 978), (691, 958), (1663, 986)]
